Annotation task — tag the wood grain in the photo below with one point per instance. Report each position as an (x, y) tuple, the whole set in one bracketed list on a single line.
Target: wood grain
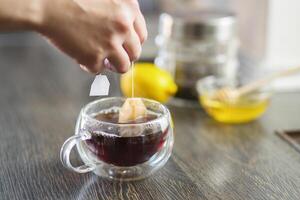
[(41, 93)]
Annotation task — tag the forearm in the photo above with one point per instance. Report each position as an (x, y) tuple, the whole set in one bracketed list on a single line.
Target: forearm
[(21, 14)]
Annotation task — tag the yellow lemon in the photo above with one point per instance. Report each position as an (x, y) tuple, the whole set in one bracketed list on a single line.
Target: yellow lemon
[(149, 82)]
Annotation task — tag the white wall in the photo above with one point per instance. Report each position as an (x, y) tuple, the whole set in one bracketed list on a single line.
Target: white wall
[(252, 16), (283, 36)]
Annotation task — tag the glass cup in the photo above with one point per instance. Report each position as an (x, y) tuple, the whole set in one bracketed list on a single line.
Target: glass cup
[(143, 150)]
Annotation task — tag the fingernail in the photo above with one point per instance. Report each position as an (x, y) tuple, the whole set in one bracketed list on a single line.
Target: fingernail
[(109, 66)]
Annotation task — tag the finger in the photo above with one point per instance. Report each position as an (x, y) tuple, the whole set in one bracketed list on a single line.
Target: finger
[(84, 68), (141, 28), (93, 70), (139, 20), (119, 58), (132, 45), (109, 66), (93, 64)]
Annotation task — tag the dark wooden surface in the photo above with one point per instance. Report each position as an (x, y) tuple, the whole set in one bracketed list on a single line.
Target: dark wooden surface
[(41, 93)]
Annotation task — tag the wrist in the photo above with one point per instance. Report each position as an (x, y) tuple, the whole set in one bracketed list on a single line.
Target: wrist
[(55, 15), (43, 12), (35, 14), (29, 14), (23, 15)]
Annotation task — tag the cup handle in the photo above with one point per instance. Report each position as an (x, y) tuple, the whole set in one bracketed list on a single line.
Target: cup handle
[(67, 148)]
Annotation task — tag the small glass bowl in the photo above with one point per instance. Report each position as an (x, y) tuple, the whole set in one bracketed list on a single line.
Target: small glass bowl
[(244, 109)]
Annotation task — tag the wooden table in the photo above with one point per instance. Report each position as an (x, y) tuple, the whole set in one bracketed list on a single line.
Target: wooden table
[(41, 93)]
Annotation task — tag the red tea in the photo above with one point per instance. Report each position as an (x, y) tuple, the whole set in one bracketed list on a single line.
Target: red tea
[(112, 148)]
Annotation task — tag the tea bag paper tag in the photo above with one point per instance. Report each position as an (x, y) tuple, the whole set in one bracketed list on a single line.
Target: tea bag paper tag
[(100, 86)]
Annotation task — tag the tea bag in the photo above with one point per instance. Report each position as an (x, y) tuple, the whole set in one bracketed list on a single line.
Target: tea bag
[(132, 109)]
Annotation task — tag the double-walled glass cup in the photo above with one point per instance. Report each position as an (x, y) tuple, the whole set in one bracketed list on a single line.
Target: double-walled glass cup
[(144, 149)]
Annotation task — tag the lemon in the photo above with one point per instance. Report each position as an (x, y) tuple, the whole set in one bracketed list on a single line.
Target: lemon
[(149, 82)]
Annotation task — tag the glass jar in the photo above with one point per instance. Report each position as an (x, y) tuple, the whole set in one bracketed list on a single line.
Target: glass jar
[(196, 44)]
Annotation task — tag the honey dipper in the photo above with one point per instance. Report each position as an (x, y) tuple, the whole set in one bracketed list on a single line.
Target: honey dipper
[(231, 94)]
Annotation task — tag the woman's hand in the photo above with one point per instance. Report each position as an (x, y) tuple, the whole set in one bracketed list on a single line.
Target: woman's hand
[(92, 30), (97, 33)]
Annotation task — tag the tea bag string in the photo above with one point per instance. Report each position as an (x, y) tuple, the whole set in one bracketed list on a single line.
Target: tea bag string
[(132, 79)]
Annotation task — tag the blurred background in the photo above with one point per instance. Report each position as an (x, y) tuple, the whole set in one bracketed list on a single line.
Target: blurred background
[(268, 33), (268, 29)]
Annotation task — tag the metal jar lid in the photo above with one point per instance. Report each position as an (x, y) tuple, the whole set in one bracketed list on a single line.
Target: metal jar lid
[(197, 25)]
